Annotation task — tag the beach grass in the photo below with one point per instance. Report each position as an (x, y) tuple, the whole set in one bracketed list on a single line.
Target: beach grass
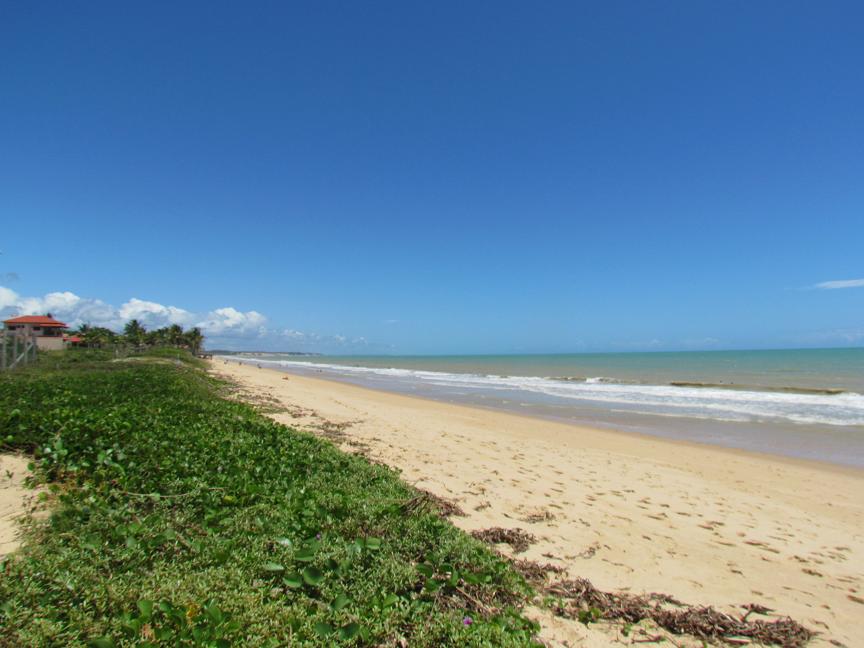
[(181, 517)]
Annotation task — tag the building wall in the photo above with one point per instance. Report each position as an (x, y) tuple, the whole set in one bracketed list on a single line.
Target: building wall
[(50, 343), (29, 329)]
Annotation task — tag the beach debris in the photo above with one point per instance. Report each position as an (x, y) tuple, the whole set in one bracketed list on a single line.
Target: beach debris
[(263, 401), (534, 572), (518, 539), (590, 551), (705, 623), (538, 516), (426, 500), (334, 431), (753, 608)]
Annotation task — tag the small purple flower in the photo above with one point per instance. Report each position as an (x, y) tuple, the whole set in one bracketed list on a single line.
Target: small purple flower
[(467, 621), (317, 536)]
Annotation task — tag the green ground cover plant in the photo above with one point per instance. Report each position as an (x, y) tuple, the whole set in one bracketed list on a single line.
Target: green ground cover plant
[(181, 518)]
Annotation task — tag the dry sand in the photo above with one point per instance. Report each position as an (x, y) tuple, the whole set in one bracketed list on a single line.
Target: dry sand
[(631, 513), (15, 499)]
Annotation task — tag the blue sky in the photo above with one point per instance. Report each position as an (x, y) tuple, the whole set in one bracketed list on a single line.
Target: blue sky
[(438, 177)]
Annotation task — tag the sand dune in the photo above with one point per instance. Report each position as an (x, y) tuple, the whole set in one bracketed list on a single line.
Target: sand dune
[(633, 513)]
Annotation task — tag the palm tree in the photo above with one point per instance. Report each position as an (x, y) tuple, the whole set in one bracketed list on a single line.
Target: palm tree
[(159, 337), (135, 333), (175, 335), (98, 336), (194, 338)]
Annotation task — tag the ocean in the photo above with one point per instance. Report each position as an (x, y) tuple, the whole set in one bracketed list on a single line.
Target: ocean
[(800, 403)]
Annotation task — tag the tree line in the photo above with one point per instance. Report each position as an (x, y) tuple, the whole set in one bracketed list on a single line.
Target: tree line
[(136, 335)]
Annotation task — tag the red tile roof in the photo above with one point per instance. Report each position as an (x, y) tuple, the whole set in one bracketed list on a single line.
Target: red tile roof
[(41, 320)]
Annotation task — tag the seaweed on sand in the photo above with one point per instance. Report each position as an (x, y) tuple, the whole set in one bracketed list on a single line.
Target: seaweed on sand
[(518, 539), (426, 500), (698, 621)]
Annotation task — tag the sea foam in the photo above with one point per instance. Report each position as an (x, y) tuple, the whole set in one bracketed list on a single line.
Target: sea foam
[(742, 405)]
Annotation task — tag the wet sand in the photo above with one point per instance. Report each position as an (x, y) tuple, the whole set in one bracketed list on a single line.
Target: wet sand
[(707, 525)]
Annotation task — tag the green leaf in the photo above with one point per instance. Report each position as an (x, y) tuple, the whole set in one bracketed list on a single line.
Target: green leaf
[(293, 580), (145, 607), (426, 569), (432, 585), (305, 555), (312, 575), (323, 629), (340, 602), (133, 625), (374, 544), (214, 614), (349, 631), (102, 642), (273, 568), (389, 600)]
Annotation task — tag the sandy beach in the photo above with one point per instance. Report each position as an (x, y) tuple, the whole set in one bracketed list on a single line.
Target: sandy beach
[(705, 525)]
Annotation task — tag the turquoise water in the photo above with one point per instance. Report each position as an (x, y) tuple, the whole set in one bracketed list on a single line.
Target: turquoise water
[(799, 368), (801, 403)]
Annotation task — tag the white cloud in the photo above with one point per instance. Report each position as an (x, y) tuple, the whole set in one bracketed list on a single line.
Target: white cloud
[(225, 327), (76, 310), (154, 315), (8, 298), (840, 283), (227, 320), (66, 306)]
